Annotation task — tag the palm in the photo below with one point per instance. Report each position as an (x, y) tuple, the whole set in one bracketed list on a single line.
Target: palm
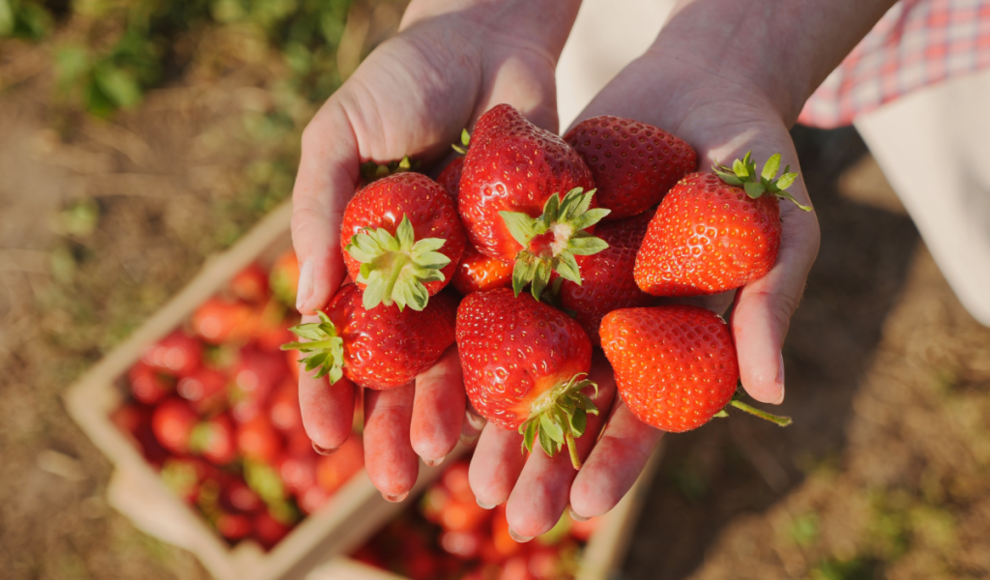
[(412, 96), (722, 120)]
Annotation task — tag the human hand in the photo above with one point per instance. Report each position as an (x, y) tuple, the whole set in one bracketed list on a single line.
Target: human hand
[(722, 113), (412, 96)]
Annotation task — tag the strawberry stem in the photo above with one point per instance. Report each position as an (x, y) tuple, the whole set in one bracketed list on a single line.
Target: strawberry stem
[(551, 241), (572, 450), (743, 174), (779, 420)]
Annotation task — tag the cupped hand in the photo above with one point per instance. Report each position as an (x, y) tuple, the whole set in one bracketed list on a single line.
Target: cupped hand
[(722, 115), (411, 97)]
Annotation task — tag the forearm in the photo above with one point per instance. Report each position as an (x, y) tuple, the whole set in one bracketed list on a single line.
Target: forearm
[(781, 48), (545, 22)]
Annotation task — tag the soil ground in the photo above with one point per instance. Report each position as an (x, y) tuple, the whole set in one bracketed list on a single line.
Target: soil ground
[(883, 475)]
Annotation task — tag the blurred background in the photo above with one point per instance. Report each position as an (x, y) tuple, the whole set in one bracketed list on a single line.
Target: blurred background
[(138, 137)]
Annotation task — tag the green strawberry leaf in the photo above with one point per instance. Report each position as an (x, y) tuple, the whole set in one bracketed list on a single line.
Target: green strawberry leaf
[(323, 349), (771, 167)]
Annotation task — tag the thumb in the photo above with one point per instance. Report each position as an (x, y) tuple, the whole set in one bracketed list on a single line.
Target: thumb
[(764, 308), (329, 166)]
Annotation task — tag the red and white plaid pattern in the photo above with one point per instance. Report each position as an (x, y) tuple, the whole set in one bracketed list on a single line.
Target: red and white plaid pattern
[(917, 43)]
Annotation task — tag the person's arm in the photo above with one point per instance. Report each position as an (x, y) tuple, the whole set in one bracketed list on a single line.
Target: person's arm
[(727, 76), (451, 61)]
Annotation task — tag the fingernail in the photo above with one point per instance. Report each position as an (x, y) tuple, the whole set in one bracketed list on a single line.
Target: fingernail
[(518, 538), (305, 290), (576, 517), (476, 421), (484, 505), (434, 462), (323, 450), (780, 381), (396, 498), (468, 441)]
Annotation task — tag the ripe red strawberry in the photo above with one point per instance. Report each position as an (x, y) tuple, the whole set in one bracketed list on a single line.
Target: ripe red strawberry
[(608, 282), (381, 348), (450, 177), (477, 272), (333, 471), (402, 239), (634, 164), (149, 385), (178, 354), (236, 495), (135, 420), (250, 284), (527, 197), (675, 366), (284, 407), (269, 530), (714, 231), (220, 321), (255, 377), (205, 389), (258, 440), (283, 278), (214, 440), (524, 365), (173, 421), (234, 526)]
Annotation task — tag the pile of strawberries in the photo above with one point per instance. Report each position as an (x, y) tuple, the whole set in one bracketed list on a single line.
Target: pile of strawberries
[(601, 225), (215, 407), (448, 536)]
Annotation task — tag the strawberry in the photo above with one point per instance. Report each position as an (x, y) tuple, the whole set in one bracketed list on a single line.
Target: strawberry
[(524, 365), (284, 407), (477, 272), (510, 199), (333, 471), (257, 440), (236, 495), (269, 530), (135, 420), (607, 276), (714, 231), (402, 240), (234, 526), (298, 473), (250, 284), (149, 385), (219, 321), (283, 278), (675, 366), (254, 379), (173, 421), (450, 177), (205, 389), (633, 164), (214, 440), (178, 354), (381, 348)]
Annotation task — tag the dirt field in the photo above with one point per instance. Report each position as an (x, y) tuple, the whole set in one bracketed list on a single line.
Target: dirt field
[(883, 475)]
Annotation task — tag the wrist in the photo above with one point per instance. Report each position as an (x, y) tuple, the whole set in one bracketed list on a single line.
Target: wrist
[(545, 23), (778, 50)]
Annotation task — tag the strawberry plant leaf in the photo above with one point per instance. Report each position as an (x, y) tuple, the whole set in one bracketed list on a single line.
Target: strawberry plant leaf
[(754, 190), (740, 169), (579, 422), (520, 226), (786, 180), (567, 267), (586, 245)]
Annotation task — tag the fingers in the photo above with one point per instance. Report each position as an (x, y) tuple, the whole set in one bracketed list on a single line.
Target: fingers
[(389, 458), (764, 308), (541, 492), (328, 172), (438, 409), (327, 410), (496, 464), (614, 464)]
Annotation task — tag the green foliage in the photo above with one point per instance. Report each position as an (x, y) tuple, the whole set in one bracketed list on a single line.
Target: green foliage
[(24, 19)]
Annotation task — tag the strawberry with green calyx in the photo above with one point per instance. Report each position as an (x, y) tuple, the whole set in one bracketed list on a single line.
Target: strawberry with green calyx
[(743, 174), (551, 241), (525, 366), (476, 272), (381, 348), (513, 168), (714, 232), (402, 240), (675, 366)]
